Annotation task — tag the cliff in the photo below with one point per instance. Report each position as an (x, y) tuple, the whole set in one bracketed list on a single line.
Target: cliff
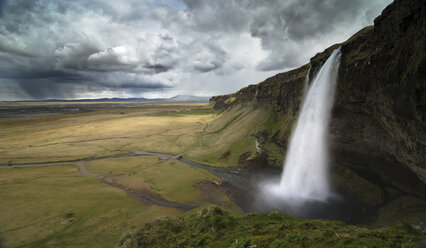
[(378, 126), (377, 141)]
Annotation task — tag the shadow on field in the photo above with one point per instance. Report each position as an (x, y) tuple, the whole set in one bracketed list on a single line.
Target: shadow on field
[(2, 245)]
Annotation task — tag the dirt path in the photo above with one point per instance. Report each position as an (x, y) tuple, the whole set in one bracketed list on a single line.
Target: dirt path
[(83, 170)]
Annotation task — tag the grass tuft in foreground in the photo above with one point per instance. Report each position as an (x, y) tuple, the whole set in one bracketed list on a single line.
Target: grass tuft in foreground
[(212, 226)]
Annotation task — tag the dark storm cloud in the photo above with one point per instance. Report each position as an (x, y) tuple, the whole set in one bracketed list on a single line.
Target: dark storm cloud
[(286, 26), (306, 18), (209, 58), (2, 2), (157, 68), (138, 86), (45, 89), (220, 15), (40, 74), (15, 51), (54, 49), (206, 67), (56, 85), (74, 55)]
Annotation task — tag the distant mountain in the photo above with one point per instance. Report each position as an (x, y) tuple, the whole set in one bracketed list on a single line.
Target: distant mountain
[(115, 99), (178, 98), (189, 98)]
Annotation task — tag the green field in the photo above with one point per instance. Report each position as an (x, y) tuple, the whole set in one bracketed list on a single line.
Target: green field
[(53, 206), (170, 179), (100, 133), (68, 204)]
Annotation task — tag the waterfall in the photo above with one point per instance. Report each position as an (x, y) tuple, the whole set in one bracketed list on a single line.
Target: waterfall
[(305, 173)]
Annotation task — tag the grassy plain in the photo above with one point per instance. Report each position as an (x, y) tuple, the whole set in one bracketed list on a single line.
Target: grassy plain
[(53, 206), (170, 179), (100, 132), (57, 206), (225, 136)]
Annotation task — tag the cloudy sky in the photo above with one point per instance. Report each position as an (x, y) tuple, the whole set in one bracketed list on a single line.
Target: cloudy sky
[(161, 48)]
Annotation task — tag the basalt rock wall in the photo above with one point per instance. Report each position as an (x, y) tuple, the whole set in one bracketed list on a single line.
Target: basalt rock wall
[(378, 125)]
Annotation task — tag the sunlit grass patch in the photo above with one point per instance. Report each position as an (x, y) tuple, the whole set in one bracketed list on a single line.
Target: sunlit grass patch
[(99, 133), (179, 182), (169, 179)]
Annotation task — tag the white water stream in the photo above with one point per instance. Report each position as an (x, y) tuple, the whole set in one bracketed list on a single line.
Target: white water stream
[(305, 174)]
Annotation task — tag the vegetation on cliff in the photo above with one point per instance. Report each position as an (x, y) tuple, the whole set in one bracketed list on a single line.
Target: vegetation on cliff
[(213, 226)]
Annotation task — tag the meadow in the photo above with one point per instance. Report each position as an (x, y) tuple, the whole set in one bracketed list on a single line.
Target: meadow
[(54, 206), (70, 203), (99, 132)]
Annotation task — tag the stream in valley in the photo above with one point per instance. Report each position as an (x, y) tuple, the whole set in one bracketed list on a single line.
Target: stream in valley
[(244, 187)]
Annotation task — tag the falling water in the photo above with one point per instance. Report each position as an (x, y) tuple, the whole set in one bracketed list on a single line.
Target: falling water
[(305, 174)]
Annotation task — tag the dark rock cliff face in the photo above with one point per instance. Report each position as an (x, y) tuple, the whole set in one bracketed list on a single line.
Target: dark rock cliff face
[(378, 125), (378, 128), (281, 92)]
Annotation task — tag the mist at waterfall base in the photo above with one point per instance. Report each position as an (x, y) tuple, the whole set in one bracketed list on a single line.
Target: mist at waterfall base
[(304, 189)]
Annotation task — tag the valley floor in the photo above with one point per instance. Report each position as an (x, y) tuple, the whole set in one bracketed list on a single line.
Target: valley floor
[(94, 196), (75, 176)]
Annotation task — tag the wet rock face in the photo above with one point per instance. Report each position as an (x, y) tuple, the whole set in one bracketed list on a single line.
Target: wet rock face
[(378, 125), (379, 116)]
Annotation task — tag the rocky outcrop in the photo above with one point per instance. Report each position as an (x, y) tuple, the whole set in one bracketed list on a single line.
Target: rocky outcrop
[(378, 128), (281, 92)]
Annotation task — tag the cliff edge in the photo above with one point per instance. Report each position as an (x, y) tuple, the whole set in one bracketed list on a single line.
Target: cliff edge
[(377, 128)]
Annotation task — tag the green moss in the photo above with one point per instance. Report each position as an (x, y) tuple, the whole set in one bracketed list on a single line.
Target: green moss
[(276, 124), (229, 133), (275, 154), (229, 122), (348, 181), (212, 226), (243, 145), (405, 209)]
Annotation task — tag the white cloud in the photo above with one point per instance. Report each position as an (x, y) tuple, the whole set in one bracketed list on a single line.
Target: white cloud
[(123, 55)]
